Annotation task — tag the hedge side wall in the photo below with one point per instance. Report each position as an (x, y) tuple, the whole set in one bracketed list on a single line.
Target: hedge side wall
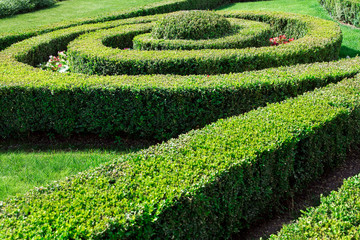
[(337, 217), (162, 106), (206, 184), (6, 39), (347, 11), (318, 40), (245, 34)]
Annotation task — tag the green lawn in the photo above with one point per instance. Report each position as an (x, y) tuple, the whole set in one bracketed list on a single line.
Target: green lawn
[(67, 10), (21, 171), (351, 43)]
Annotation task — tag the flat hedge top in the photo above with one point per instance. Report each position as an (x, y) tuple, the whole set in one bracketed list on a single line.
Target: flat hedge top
[(15, 73), (138, 187), (192, 25), (245, 32), (319, 33)]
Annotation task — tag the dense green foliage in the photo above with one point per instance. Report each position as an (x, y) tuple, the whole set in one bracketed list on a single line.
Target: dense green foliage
[(347, 11), (6, 39), (191, 25), (318, 40), (246, 34), (337, 217), (152, 106), (11, 7), (203, 185)]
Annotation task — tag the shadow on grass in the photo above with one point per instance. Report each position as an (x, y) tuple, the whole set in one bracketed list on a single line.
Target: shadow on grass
[(292, 209), (345, 51), (51, 142), (26, 12), (238, 1)]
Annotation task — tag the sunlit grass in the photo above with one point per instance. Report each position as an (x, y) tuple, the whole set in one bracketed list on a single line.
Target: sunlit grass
[(67, 10), (351, 36), (21, 171)]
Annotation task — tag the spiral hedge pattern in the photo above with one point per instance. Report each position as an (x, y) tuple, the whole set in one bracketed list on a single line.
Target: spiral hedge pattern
[(245, 34), (207, 183)]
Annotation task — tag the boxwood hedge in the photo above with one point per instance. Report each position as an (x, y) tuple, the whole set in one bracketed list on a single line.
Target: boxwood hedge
[(191, 25), (204, 184), (343, 10), (11, 7), (317, 40), (156, 106), (337, 217), (245, 34), (6, 39)]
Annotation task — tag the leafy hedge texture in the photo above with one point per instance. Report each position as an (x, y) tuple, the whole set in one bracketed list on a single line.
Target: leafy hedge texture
[(207, 183), (337, 217), (318, 40), (203, 185), (161, 106), (343, 10), (245, 34), (11, 7), (191, 25), (6, 39)]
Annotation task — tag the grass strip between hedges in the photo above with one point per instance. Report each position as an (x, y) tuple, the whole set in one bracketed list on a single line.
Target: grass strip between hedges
[(159, 106), (337, 217), (245, 34), (316, 40), (6, 39), (204, 184)]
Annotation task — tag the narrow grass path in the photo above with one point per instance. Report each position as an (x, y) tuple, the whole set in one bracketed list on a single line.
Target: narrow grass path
[(67, 10), (25, 167), (21, 171), (351, 35), (35, 162)]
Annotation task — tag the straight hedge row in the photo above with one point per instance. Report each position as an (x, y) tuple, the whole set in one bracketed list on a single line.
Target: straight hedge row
[(347, 11), (6, 39), (155, 106), (337, 217), (317, 40), (206, 184), (245, 34)]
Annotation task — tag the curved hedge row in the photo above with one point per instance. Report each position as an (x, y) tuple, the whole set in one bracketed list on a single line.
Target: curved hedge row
[(191, 25), (337, 217), (162, 106), (12, 7), (246, 34), (203, 185), (318, 40), (343, 10), (6, 39)]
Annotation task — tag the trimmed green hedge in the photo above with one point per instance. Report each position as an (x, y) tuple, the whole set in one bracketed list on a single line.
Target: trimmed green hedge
[(11, 7), (317, 40), (6, 39), (191, 25), (245, 34), (337, 217), (343, 10), (156, 106), (206, 184)]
